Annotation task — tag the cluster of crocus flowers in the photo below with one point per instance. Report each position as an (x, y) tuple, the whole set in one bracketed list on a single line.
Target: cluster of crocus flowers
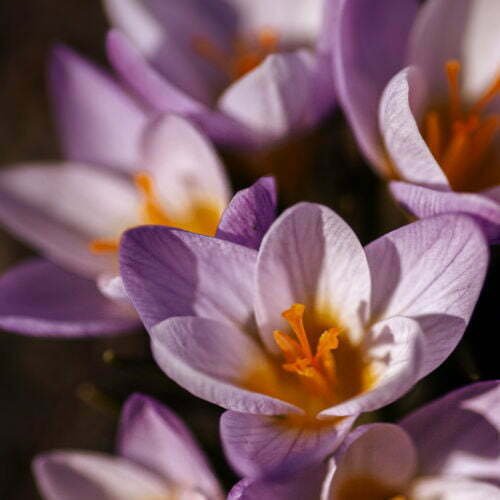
[(299, 338), (448, 449), (425, 113)]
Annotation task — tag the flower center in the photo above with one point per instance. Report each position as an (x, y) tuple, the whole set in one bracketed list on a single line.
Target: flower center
[(247, 53), (366, 488), (202, 218), (461, 136)]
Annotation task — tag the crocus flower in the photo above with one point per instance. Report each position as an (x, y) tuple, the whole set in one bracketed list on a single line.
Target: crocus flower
[(446, 450), (421, 90), (248, 72), (298, 338), (74, 212), (157, 458)]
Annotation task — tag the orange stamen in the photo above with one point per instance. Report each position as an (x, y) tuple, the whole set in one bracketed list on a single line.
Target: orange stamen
[(151, 210), (213, 54), (452, 74), (433, 133), (103, 246), (487, 96)]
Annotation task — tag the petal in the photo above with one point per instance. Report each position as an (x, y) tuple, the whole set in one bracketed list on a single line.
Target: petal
[(154, 437), (432, 271), (258, 445), (274, 100), (425, 202), (311, 256), (382, 453), (295, 21), (40, 299), (185, 165), (78, 475), (458, 434), (468, 31), (452, 488), (211, 360), (369, 46), (395, 352), (169, 272), (250, 214), (306, 484), (413, 160), (60, 208), (98, 121)]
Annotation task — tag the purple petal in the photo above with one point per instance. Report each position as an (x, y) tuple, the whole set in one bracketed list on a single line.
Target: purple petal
[(274, 100), (413, 159), (311, 256), (382, 453), (170, 272), (79, 475), (40, 299), (258, 445), (369, 46), (432, 271), (395, 351), (452, 488), (154, 437), (425, 202), (212, 360), (459, 433), (98, 121), (250, 214)]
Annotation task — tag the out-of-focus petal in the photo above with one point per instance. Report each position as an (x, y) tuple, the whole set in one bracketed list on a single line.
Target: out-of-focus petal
[(459, 434), (462, 29), (40, 299), (151, 435), (382, 453), (432, 271), (258, 445), (407, 149), (250, 214), (60, 208), (369, 46), (82, 475), (273, 100), (185, 166), (311, 256), (452, 488), (175, 273), (97, 120), (212, 360), (426, 202), (395, 350)]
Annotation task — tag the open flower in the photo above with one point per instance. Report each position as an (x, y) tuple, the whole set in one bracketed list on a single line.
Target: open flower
[(75, 213), (432, 80), (299, 338), (446, 450), (157, 458), (248, 73)]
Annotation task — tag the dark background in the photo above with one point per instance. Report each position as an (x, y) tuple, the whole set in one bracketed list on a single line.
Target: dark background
[(62, 394)]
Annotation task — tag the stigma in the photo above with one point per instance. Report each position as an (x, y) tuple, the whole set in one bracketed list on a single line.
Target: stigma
[(461, 136), (316, 368)]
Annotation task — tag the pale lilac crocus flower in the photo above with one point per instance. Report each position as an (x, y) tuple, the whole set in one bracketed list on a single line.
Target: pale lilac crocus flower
[(249, 73), (156, 458), (74, 212), (420, 87), (446, 450), (299, 338)]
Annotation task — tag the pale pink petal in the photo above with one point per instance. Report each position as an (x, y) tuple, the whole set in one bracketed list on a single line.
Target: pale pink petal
[(452, 488)]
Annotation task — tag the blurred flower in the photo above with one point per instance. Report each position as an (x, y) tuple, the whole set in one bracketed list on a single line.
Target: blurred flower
[(158, 458), (448, 449), (312, 330), (74, 213), (248, 73), (438, 122)]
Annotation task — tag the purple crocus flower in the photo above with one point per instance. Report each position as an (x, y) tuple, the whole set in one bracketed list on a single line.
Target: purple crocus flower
[(157, 458), (248, 72), (299, 338), (120, 172), (447, 450), (420, 87)]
